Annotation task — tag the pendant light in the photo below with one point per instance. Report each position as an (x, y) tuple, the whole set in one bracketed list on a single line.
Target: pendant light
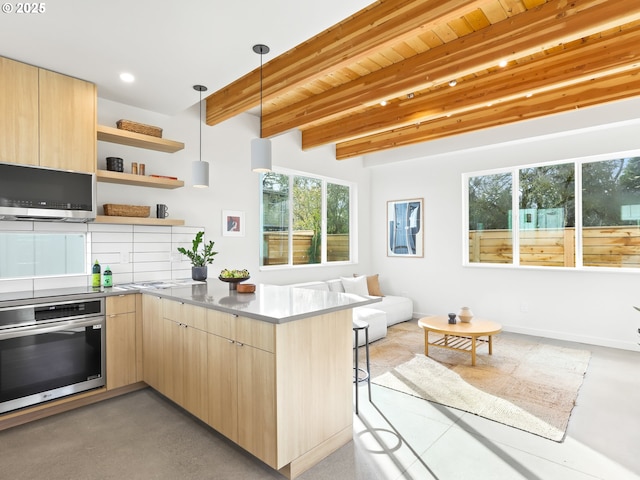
[(261, 147), (200, 169)]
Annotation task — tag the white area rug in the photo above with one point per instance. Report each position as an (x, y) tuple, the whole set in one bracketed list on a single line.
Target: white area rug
[(529, 386)]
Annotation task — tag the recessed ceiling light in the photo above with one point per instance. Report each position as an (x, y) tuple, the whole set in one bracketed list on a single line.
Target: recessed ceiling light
[(529, 95), (127, 77), (383, 103), (502, 64), (453, 83)]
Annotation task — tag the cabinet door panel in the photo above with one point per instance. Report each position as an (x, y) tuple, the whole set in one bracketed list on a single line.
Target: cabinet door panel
[(222, 380), (195, 373), (172, 361), (152, 341), (121, 350), (256, 403), (67, 122), (18, 113)]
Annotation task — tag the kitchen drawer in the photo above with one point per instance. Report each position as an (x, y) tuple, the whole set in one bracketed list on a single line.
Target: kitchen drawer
[(221, 324), (121, 304), (256, 333), (180, 312)]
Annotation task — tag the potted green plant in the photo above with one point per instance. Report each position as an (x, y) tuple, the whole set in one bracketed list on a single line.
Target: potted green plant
[(200, 258)]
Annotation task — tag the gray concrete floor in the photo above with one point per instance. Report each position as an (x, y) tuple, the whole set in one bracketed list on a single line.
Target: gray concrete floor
[(143, 436)]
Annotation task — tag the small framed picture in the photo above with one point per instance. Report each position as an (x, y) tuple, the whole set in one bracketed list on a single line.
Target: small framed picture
[(232, 223)]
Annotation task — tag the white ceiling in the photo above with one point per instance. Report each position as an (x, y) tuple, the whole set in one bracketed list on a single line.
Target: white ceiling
[(168, 46)]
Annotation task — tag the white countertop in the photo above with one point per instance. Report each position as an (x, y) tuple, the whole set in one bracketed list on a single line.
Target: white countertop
[(270, 303)]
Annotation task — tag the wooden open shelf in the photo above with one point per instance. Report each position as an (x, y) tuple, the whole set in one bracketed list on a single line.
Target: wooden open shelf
[(132, 139), (107, 176), (138, 220)]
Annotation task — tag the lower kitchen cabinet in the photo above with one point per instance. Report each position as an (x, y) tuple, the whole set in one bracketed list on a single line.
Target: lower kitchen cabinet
[(152, 334), (242, 384), (175, 352), (123, 342), (185, 356)]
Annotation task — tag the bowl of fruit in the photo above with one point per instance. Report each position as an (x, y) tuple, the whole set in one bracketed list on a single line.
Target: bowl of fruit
[(233, 277)]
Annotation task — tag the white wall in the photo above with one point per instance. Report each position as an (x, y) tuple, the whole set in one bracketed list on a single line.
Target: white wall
[(584, 306), (232, 184)]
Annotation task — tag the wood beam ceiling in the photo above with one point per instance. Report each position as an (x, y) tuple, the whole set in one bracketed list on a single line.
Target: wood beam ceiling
[(525, 34), (357, 37), (597, 91), (580, 51), (578, 62)]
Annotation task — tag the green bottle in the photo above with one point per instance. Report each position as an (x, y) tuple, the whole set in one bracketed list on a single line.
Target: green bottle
[(107, 278), (95, 277)]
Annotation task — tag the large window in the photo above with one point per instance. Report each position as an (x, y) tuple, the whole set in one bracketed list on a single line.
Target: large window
[(584, 213), (305, 219)]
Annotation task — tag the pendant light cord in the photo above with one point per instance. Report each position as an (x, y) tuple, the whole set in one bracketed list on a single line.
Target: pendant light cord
[(261, 94), (200, 122)]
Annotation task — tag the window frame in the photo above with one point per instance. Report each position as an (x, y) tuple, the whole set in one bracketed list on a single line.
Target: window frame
[(353, 238), (577, 162)]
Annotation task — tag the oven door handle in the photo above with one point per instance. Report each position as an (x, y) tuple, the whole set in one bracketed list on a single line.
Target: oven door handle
[(56, 327)]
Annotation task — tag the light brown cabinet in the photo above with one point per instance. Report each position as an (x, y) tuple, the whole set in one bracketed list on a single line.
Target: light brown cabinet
[(175, 352), (241, 375), (152, 340), (46, 118), (123, 341), (67, 122), (18, 112), (185, 356)]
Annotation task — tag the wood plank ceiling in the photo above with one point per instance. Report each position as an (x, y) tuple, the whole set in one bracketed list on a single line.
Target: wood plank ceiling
[(560, 55)]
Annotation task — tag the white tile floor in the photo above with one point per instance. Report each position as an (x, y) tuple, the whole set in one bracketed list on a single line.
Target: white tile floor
[(403, 437)]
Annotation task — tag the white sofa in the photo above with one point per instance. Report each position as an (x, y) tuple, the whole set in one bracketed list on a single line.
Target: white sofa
[(390, 310)]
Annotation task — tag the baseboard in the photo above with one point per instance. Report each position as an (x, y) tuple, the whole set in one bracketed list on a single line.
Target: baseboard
[(584, 339), (71, 402)]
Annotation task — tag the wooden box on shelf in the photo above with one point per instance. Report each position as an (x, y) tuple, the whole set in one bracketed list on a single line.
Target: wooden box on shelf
[(139, 128), (113, 209)]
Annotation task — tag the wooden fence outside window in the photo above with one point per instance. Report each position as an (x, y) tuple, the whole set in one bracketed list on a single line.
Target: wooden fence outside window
[(617, 246), (276, 247)]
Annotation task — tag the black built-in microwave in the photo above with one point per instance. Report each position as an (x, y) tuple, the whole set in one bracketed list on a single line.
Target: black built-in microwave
[(37, 193)]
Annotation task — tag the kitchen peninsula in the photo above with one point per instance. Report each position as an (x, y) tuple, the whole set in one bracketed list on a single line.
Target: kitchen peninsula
[(270, 370)]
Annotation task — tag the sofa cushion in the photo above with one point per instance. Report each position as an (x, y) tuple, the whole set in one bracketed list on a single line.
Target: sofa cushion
[(335, 285), (377, 320), (356, 285), (398, 309), (313, 286), (373, 285)]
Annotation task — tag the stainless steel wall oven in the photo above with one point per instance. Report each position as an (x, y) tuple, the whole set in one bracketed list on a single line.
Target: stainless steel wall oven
[(50, 350)]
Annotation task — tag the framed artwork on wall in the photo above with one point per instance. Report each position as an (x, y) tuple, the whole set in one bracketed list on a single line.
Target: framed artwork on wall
[(232, 223), (405, 229)]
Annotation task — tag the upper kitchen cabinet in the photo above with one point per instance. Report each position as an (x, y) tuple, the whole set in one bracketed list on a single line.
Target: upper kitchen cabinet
[(67, 122), (46, 118), (18, 113)]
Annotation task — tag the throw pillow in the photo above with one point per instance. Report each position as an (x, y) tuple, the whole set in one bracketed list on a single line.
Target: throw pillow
[(356, 285), (373, 285)]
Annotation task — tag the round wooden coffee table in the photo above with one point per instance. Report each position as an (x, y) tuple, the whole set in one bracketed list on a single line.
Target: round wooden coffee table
[(459, 336)]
